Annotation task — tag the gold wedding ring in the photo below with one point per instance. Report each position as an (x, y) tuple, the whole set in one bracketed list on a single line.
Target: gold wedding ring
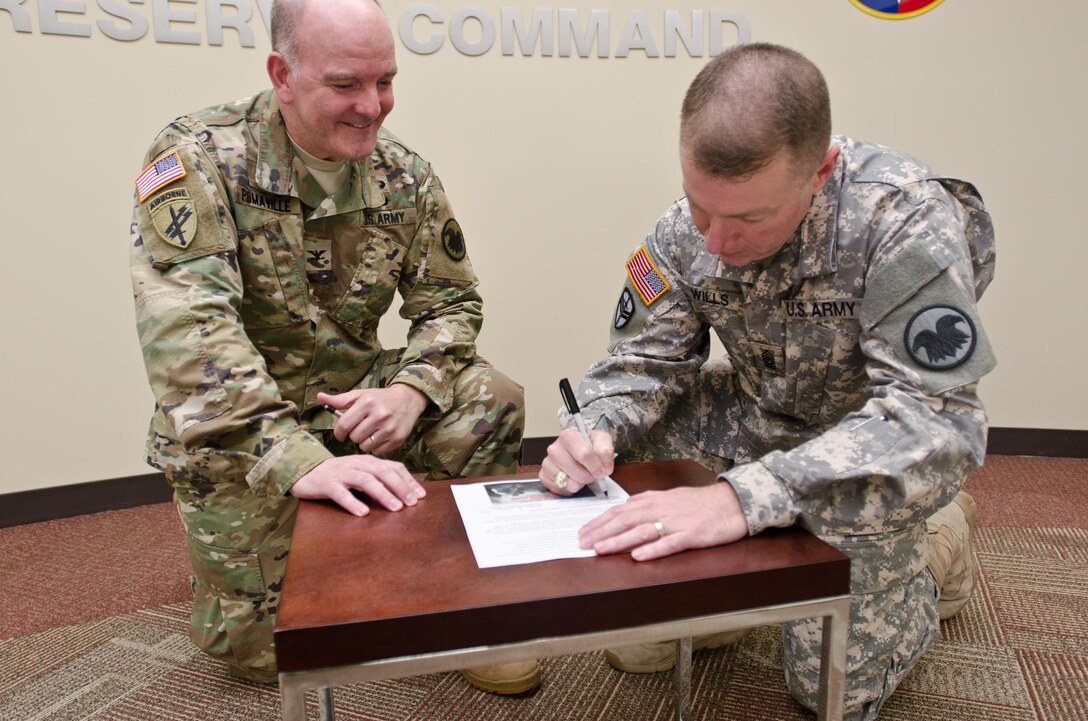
[(660, 528), (561, 479)]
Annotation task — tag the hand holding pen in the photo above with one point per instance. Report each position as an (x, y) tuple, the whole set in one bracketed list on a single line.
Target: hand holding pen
[(576, 413)]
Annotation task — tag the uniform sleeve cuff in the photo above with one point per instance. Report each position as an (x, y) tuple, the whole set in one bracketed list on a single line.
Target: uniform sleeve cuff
[(286, 462), (766, 501), (441, 396)]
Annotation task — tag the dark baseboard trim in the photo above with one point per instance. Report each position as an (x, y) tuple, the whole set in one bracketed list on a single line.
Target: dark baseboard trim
[(48, 504), (1037, 442)]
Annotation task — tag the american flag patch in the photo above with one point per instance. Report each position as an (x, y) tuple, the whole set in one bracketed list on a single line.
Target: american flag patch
[(648, 282), (158, 174)]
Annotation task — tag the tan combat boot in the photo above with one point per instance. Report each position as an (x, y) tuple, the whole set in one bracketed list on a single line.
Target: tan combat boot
[(951, 555), (254, 675), (505, 678), (654, 657)]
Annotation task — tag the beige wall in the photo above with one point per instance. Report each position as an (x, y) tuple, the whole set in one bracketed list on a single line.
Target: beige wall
[(556, 167)]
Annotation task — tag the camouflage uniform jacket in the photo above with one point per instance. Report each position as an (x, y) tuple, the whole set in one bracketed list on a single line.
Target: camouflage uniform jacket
[(255, 290), (845, 420)]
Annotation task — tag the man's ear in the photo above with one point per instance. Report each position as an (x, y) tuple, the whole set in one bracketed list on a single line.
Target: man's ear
[(827, 166), (279, 72)]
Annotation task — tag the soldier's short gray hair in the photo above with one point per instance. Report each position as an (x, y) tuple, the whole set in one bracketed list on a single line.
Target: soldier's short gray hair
[(285, 15), (751, 102)]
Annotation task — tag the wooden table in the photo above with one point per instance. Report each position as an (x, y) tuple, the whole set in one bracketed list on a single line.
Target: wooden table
[(399, 594)]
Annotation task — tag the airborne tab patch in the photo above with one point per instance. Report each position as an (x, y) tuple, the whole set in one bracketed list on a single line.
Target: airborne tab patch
[(162, 171), (174, 217), (649, 283)]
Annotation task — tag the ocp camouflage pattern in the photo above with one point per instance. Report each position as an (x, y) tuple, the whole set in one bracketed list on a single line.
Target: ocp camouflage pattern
[(279, 295), (254, 291)]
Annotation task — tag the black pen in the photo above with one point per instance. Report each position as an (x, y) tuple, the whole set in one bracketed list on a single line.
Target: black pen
[(572, 407)]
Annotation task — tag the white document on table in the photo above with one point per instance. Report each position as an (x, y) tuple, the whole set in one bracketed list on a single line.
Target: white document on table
[(519, 521)]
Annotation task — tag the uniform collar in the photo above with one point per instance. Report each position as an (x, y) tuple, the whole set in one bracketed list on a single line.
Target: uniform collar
[(817, 238), (811, 252), (278, 170)]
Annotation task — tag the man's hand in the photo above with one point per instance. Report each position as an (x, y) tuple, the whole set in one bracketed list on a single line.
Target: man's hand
[(387, 482), (688, 518), (378, 420), (580, 462)]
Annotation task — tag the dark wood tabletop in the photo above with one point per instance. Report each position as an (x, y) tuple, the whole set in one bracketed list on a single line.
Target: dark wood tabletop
[(405, 583)]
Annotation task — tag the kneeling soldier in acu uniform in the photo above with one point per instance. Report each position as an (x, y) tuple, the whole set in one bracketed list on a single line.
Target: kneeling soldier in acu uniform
[(842, 280), (269, 237)]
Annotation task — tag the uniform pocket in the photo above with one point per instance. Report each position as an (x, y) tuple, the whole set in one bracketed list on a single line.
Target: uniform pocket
[(275, 289), (821, 368), (718, 412), (808, 353), (376, 278), (231, 617), (187, 387), (883, 561), (226, 572)]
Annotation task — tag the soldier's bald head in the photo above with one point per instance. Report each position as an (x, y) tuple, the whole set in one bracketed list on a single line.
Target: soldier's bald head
[(751, 102), (286, 16)]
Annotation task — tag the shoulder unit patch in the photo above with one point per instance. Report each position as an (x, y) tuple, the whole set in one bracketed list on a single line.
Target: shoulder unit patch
[(940, 337), (453, 240), (625, 309), (174, 217)]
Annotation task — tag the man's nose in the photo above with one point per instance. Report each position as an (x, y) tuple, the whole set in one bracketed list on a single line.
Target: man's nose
[(367, 103), (718, 234)]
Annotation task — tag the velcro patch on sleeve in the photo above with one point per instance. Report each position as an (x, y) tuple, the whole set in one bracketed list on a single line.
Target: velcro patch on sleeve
[(895, 282), (938, 332), (163, 171), (629, 318), (445, 255), (645, 276), (181, 220)]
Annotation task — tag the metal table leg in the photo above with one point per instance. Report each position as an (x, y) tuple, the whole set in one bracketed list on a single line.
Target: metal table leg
[(292, 702), (324, 704), (833, 611), (682, 678), (833, 664)]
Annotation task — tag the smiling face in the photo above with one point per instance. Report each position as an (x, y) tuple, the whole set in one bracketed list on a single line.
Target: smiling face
[(340, 88), (743, 220)]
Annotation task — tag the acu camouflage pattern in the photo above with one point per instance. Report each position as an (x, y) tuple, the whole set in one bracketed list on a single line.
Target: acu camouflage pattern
[(276, 297), (823, 420)]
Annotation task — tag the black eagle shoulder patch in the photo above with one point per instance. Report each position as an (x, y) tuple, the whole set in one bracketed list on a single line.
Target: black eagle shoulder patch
[(453, 240), (940, 337)]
